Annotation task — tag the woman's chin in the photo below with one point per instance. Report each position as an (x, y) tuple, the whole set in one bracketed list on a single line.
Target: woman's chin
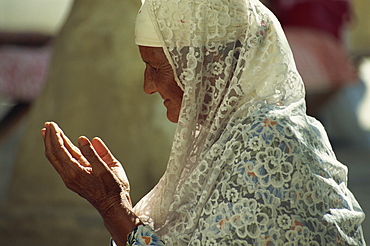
[(174, 118)]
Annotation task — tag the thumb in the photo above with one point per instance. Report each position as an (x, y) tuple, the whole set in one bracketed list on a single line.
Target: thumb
[(103, 151)]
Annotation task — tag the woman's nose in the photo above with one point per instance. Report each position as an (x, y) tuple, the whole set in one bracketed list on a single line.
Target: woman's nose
[(149, 84)]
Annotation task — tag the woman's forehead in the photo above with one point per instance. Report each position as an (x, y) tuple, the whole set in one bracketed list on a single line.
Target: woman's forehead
[(152, 54)]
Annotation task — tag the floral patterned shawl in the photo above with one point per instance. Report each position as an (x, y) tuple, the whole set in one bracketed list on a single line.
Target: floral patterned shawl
[(247, 166)]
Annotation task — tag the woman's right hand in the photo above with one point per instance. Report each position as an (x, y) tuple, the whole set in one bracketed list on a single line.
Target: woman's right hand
[(89, 170)]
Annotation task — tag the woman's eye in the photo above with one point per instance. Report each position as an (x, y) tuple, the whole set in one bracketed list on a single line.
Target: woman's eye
[(151, 67)]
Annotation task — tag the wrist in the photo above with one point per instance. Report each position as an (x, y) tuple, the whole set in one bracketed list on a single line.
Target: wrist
[(120, 221), (112, 201)]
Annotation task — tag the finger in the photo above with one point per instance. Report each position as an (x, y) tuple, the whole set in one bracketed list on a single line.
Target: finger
[(113, 164), (91, 156), (55, 133), (49, 151), (103, 151), (73, 150), (60, 150), (43, 132)]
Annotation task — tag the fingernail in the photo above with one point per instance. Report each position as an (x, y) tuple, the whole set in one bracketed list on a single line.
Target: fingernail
[(98, 138), (82, 141)]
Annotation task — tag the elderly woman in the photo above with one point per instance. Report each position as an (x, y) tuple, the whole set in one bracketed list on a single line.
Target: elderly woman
[(247, 166)]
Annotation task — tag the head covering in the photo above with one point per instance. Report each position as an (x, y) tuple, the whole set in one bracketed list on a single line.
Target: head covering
[(244, 152), (145, 34)]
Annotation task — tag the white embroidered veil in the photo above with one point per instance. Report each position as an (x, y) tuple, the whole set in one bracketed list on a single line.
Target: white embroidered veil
[(232, 59)]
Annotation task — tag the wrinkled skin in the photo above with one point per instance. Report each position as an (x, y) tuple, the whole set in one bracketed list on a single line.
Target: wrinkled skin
[(91, 171), (159, 77)]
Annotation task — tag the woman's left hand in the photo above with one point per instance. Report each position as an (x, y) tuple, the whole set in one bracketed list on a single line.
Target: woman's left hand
[(89, 170)]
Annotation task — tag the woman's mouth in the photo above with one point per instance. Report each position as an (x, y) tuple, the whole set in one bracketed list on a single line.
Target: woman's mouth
[(166, 101)]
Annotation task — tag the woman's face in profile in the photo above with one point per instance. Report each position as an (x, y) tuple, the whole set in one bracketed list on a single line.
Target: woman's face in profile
[(159, 77)]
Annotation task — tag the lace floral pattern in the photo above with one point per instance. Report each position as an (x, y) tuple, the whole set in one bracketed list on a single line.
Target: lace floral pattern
[(278, 194), (247, 166)]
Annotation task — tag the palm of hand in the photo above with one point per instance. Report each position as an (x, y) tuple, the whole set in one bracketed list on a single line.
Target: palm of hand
[(89, 170)]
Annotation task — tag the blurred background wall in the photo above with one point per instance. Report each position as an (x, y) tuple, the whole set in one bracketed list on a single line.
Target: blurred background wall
[(359, 36), (93, 87)]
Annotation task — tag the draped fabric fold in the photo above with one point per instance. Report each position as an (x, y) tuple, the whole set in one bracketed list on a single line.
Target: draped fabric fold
[(247, 165)]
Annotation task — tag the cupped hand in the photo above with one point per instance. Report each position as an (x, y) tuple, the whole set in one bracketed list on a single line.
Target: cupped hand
[(90, 169)]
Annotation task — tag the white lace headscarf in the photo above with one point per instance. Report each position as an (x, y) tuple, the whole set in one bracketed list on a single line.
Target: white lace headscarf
[(231, 59)]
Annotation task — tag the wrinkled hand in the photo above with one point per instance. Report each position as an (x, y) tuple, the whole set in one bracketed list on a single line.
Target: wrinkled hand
[(89, 170)]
